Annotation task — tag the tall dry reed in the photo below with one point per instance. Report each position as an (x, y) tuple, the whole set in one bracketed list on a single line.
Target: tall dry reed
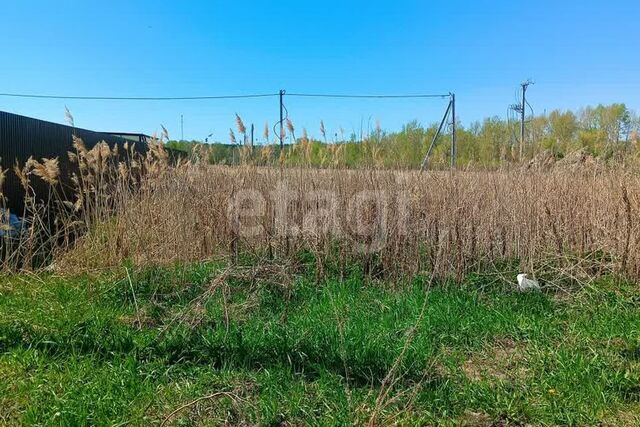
[(391, 222), (101, 181), (123, 206)]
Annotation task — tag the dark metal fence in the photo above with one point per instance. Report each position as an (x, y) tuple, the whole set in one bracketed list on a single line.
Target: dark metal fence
[(22, 137)]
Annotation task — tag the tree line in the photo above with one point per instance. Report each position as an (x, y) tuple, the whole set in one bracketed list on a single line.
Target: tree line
[(603, 131)]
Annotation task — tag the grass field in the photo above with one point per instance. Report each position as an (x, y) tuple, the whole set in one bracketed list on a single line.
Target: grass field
[(204, 344)]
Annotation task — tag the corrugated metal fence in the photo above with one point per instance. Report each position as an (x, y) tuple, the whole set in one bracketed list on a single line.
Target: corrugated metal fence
[(22, 137)]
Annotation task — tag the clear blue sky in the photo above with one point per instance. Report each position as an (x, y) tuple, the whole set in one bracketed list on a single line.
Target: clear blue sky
[(578, 52)]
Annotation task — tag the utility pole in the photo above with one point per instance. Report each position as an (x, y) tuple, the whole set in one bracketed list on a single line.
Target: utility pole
[(282, 92), (252, 137), (181, 127), (452, 96), (523, 110)]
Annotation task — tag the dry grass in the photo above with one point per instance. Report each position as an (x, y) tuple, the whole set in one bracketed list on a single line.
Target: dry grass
[(503, 361), (570, 225), (556, 224)]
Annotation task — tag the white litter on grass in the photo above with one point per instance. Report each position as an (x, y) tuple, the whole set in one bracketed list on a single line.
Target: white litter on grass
[(525, 284)]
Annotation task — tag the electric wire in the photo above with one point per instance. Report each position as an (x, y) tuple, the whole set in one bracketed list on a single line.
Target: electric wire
[(216, 97), (327, 95), (211, 97), (137, 98)]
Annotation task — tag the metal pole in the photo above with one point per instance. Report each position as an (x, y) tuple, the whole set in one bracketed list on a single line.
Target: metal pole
[(181, 127), (281, 121), (522, 114), (252, 137), (453, 131), (435, 137)]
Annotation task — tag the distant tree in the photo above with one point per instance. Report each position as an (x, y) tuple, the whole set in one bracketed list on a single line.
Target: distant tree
[(561, 131), (606, 125), (562, 126), (604, 130)]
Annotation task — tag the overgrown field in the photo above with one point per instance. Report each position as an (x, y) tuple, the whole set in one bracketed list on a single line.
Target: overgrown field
[(270, 345), (148, 293), (575, 224)]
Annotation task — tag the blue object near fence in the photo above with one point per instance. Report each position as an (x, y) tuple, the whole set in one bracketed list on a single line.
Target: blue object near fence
[(10, 226)]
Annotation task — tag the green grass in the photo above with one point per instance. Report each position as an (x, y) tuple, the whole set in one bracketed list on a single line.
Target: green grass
[(73, 353)]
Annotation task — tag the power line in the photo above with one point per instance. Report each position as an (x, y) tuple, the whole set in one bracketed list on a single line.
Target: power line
[(325, 95), (284, 113), (530, 108), (191, 98), (137, 98)]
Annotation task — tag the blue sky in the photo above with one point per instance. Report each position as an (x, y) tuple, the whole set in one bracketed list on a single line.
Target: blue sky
[(578, 52)]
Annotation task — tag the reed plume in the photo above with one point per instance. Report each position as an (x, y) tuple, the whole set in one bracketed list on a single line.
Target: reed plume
[(23, 172), (68, 117), (48, 170), (323, 131), (240, 125), (164, 135), (3, 175), (265, 133), (291, 129)]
